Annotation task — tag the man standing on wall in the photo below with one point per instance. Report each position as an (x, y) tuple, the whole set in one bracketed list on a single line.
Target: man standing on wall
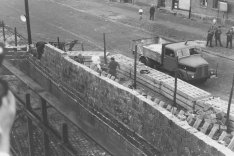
[(113, 66), (152, 12)]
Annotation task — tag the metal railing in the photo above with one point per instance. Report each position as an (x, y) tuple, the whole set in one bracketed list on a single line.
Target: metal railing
[(41, 122)]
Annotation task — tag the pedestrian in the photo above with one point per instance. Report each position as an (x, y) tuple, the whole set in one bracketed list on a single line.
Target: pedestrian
[(113, 66), (140, 13), (229, 37), (152, 12), (218, 33)]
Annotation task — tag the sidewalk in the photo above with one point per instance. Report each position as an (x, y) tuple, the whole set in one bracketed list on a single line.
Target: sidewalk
[(165, 24)]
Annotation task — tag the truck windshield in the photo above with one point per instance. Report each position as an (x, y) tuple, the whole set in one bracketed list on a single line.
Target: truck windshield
[(183, 52)]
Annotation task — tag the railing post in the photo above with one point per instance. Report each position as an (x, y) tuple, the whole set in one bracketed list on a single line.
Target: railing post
[(16, 38), (45, 121), (104, 41), (29, 126), (58, 42), (65, 133), (82, 46), (3, 32), (135, 67), (229, 107), (175, 90)]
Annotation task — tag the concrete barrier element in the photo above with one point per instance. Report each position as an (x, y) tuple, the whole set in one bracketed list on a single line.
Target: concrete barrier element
[(155, 124)]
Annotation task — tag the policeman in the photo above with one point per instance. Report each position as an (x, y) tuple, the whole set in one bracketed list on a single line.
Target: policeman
[(218, 33), (229, 37), (210, 37)]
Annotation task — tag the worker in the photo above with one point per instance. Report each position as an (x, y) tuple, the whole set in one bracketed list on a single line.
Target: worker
[(218, 33), (152, 12), (95, 65), (140, 13), (40, 48), (72, 44), (79, 58), (229, 37), (113, 66)]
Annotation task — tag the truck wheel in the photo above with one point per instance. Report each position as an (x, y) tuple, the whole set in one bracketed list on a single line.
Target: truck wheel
[(150, 63), (143, 60)]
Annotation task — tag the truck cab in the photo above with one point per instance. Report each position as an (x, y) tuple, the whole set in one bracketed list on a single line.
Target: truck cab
[(191, 65)]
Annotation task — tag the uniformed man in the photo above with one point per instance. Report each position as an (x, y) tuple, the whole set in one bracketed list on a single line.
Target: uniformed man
[(218, 33), (229, 37), (211, 32), (210, 37), (113, 66)]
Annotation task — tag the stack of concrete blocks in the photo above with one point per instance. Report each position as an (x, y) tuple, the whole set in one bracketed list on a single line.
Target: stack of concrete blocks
[(188, 96), (87, 55), (145, 117)]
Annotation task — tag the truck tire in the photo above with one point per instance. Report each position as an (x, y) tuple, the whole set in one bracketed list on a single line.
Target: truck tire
[(143, 60)]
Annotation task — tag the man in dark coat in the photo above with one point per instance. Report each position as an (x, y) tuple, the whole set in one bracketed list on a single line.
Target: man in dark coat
[(210, 35), (218, 33), (152, 11), (40, 48), (229, 37), (113, 66)]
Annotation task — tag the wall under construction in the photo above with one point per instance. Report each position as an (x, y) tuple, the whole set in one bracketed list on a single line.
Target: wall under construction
[(146, 118)]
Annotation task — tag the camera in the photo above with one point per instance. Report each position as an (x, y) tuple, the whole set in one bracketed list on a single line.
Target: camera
[(3, 84)]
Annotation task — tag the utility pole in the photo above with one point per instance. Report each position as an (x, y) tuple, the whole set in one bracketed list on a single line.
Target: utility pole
[(135, 70), (104, 41), (28, 22), (190, 9), (229, 107)]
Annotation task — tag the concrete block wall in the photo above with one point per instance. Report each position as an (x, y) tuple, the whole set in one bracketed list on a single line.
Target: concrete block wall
[(145, 117)]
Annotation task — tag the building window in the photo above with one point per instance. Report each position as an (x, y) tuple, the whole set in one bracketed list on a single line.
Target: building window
[(203, 3), (215, 4)]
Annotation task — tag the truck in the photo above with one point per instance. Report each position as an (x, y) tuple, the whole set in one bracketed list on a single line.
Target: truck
[(183, 58)]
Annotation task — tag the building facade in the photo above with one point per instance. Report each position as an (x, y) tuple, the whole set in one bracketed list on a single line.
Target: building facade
[(204, 9)]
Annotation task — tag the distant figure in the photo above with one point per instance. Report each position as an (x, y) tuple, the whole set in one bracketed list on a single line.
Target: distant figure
[(229, 37), (152, 12), (140, 13), (218, 33), (113, 66), (40, 48), (72, 44), (79, 58)]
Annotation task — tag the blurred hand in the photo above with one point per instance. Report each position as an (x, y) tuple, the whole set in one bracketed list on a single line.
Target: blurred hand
[(7, 116)]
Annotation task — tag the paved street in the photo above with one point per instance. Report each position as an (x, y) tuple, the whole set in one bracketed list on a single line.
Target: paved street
[(88, 19)]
